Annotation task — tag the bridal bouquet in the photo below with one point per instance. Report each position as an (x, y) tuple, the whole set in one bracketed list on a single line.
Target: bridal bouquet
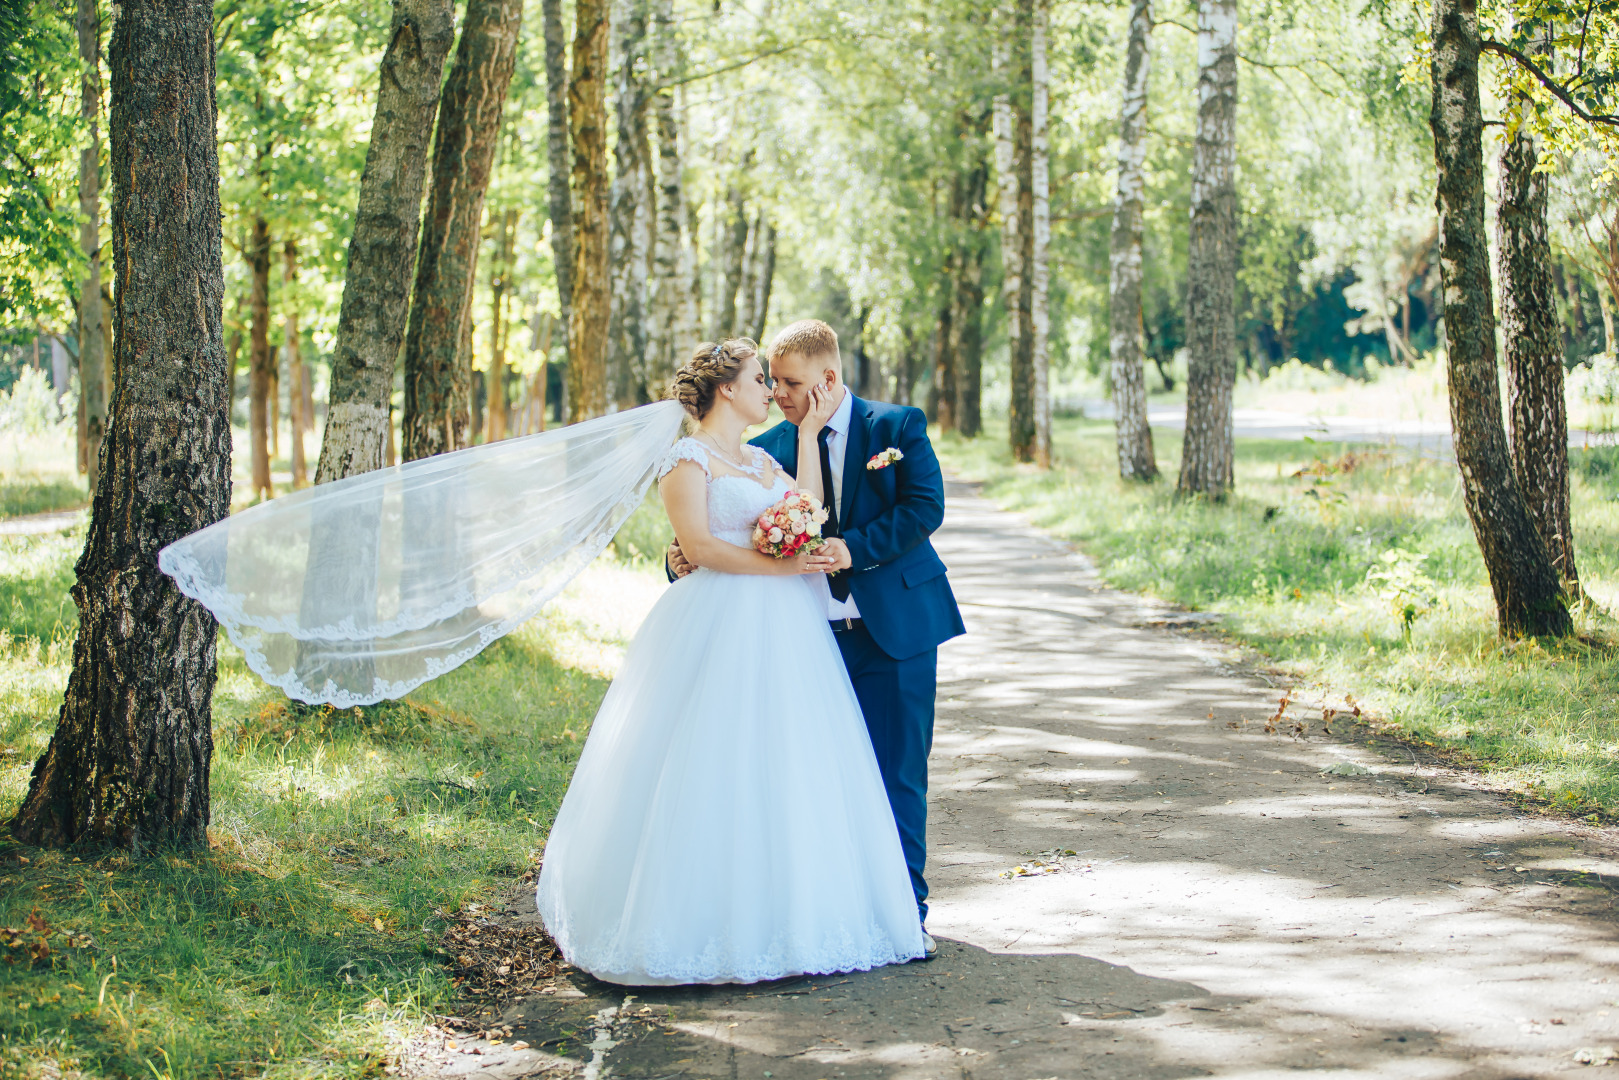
[(791, 526)]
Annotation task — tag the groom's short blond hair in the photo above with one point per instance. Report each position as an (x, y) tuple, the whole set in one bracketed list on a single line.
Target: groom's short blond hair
[(809, 338)]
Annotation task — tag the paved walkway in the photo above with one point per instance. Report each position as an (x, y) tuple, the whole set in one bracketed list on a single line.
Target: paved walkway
[(1228, 909)]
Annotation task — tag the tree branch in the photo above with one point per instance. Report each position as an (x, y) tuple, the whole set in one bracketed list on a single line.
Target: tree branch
[(1300, 68), (709, 74), (1557, 90)]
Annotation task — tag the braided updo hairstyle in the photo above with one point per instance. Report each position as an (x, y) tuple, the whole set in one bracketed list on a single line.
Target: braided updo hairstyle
[(711, 366)]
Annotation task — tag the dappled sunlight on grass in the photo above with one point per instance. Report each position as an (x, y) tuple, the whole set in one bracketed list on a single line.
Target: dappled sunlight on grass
[(1324, 558)]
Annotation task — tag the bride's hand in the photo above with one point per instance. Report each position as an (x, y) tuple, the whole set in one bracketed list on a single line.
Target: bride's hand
[(821, 408), (816, 562)]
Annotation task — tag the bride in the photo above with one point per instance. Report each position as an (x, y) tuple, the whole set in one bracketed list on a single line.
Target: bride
[(727, 821)]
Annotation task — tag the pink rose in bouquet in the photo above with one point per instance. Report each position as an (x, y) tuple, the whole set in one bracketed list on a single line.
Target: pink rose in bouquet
[(791, 526)]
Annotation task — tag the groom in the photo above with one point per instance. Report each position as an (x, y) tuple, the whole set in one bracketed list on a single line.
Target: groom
[(891, 603)]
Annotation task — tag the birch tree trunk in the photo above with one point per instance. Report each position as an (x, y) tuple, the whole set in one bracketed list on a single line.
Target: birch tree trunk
[(592, 291), (1040, 275), (92, 358), (382, 249), (1534, 353), (1021, 419), (260, 360), (1125, 338), (499, 288), (560, 202), (945, 338), (734, 237), (295, 362), (128, 763), (1007, 169), (438, 373), (669, 285), (764, 278), (749, 286), (1211, 266), (1528, 594), (631, 217)]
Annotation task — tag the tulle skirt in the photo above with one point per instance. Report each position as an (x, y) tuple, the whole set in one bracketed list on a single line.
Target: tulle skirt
[(727, 821)]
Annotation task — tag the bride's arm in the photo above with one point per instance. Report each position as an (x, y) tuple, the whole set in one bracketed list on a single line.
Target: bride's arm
[(685, 499)]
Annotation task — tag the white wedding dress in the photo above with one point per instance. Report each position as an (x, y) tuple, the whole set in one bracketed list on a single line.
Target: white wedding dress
[(727, 822)]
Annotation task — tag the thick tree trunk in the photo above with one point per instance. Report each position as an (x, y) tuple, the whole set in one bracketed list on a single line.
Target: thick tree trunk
[(92, 358), (1125, 333), (382, 250), (631, 224), (1534, 353), (592, 290), (1040, 284), (556, 154), (437, 373), (261, 360), (1211, 266), (1528, 594), (295, 362), (499, 325), (129, 761)]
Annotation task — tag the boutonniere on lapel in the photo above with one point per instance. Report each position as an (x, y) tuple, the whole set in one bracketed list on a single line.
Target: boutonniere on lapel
[(885, 459)]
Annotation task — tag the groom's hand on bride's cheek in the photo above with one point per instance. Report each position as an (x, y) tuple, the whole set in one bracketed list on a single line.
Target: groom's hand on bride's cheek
[(839, 551)]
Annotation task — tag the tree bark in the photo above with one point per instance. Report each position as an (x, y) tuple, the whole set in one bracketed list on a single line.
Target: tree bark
[(734, 242), (261, 361), (764, 277), (128, 763), (1528, 595), (382, 250), (1125, 338), (669, 285), (437, 373), (631, 223), (1007, 168), (295, 362), (92, 358), (592, 296), (945, 339), (1040, 277), (1211, 267), (499, 325), (1534, 353), (556, 155), (1021, 420)]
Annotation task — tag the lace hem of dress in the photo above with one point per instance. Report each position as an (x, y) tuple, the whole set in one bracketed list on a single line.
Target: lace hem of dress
[(654, 962)]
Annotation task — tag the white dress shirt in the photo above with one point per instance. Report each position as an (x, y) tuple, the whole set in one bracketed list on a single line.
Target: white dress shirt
[(837, 441)]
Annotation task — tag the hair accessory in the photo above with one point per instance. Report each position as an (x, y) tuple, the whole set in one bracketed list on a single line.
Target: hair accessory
[(717, 353)]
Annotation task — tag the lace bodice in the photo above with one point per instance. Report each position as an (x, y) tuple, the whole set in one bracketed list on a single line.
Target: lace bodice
[(734, 501)]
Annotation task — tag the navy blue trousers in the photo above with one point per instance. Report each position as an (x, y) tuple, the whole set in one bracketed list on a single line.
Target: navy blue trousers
[(896, 697)]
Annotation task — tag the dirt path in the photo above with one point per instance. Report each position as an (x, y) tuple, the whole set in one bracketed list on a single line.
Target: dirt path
[(1229, 910)]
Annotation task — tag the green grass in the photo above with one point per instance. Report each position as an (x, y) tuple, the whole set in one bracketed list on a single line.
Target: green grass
[(1316, 562), (304, 941), (37, 472)]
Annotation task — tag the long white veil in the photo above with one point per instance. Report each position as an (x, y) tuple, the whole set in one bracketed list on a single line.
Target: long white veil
[(367, 587)]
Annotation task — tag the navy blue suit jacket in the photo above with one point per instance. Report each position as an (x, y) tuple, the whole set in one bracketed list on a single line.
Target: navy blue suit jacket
[(897, 579)]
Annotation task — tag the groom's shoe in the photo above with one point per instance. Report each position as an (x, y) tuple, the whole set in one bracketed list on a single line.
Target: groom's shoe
[(930, 948)]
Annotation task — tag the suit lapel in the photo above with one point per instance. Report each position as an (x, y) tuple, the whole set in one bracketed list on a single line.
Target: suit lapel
[(855, 452)]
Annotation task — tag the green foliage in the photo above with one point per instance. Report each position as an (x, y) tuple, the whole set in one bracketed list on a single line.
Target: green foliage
[(39, 160), (1355, 570), (306, 940)]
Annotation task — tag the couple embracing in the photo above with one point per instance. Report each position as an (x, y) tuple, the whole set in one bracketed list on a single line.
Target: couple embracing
[(751, 801)]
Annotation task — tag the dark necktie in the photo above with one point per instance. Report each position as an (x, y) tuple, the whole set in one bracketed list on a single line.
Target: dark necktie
[(838, 582)]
